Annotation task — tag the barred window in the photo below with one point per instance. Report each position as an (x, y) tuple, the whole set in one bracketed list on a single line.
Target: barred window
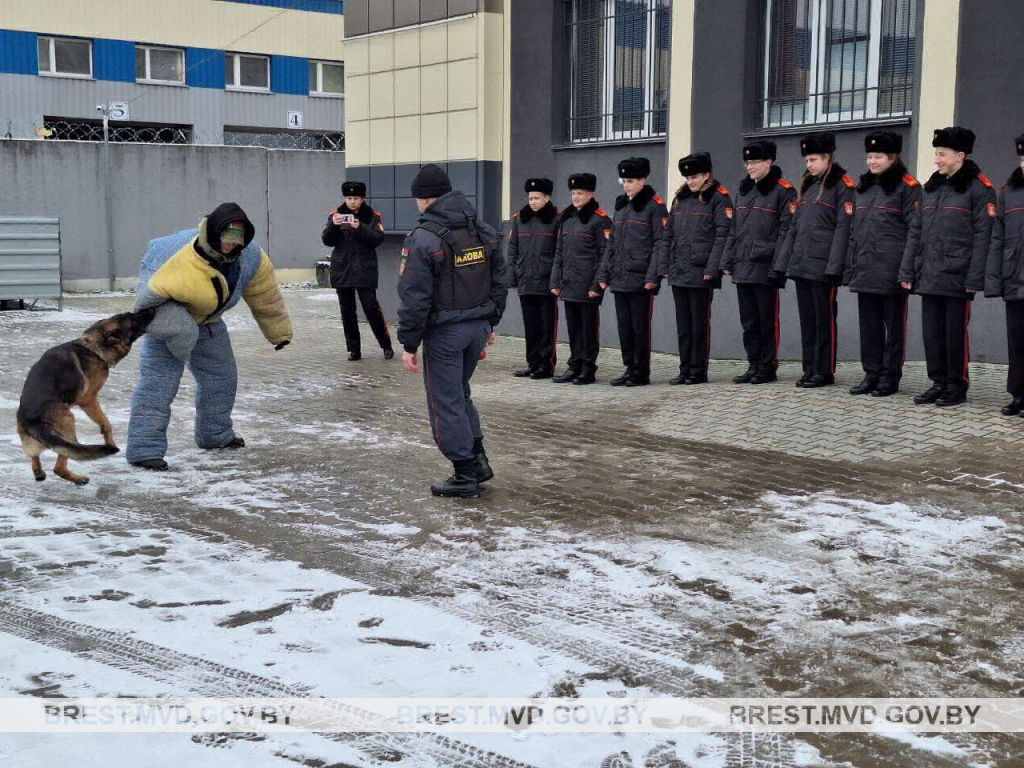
[(616, 69), (830, 61)]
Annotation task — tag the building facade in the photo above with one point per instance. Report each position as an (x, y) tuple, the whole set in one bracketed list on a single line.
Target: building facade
[(250, 72)]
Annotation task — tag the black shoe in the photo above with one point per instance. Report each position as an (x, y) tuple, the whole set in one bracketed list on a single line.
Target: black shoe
[(566, 376), (620, 381), (764, 378), (463, 484), (818, 380), (866, 387), (885, 389), (639, 381), (680, 379), (483, 468), (544, 373), (389, 353), (522, 373), (951, 396), (154, 465), (236, 442), (929, 396), (353, 356), (744, 378), (802, 380), (585, 378), (698, 379), (1014, 408)]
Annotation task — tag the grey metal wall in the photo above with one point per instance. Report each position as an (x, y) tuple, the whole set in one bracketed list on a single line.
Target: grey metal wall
[(160, 189), (363, 16), (30, 258), (27, 99)]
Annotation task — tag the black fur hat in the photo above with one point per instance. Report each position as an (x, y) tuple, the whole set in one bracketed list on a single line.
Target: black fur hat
[(698, 162), (956, 138), (542, 185), (635, 168), (823, 143), (760, 150), (353, 189), (883, 141), (1019, 141), (587, 181)]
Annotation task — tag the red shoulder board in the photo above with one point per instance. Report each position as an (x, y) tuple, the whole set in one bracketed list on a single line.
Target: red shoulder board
[(909, 180), (378, 213), (515, 215), (331, 213), (849, 182), (983, 180), (785, 184), (658, 200), (723, 190), (599, 212)]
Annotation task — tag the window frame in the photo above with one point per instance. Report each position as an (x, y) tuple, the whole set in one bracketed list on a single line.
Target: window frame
[(52, 55), (236, 57), (148, 80), (318, 91)]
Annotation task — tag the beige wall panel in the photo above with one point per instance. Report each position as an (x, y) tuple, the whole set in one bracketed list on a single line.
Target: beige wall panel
[(434, 88), (357, 143), (357, 57), (938, 78), (434, 44), (382, 95), (407, 91), (357, 97), (680, 134), (434, 138), (462, 84), (462, 135), (462, 39), (407, 139), (382, 53), (407, 48), (382, 143)]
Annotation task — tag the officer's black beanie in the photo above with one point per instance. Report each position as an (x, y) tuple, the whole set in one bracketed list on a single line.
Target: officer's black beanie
[(431, 182)]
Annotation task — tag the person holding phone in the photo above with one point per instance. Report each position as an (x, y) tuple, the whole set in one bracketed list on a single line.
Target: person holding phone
[(355, 230)]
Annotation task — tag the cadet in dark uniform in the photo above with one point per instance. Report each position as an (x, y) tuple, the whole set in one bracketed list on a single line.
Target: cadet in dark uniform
[(531, 252), (630, 268), (690, 257), (354, 267), (764, 208), (583, 233), (1005, 276), (452, 288), (945, 264), (886, 201), (814, 254)]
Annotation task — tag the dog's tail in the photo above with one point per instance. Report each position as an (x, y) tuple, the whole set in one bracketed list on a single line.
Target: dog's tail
[(56, 442)]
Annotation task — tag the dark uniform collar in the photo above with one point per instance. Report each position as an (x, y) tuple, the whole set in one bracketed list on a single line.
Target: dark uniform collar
[(585, 213), (960, 180), (641, 199), (704, 195), (889, 180), (1016, 179), (832, 177), (547, 214), (365, 213), (764, 185)]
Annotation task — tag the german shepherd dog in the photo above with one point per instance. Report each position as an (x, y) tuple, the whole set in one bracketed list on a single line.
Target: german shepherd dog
[(73, 374)]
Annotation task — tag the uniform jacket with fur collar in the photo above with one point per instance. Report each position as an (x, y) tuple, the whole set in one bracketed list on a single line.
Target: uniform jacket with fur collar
[(637, 230), (354, 258), (583, 235), (762, 218), (698, 228), (1004, 275), (531, 249)]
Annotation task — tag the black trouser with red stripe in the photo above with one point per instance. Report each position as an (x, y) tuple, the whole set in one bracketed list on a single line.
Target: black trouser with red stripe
[(633, 312), (947, 352), (540, 321), (816, 302), (583, 320), (374, 316), (883, 335), (693, 328), (759, 315), (1015, 343)]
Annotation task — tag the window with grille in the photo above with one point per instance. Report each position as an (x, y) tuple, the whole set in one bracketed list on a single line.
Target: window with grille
[(616, 67), (831, 61)]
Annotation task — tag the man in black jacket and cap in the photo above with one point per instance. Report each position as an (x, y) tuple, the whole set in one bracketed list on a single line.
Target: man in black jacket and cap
[(355, 230), (452, 289), (531, 252), (945, 261)]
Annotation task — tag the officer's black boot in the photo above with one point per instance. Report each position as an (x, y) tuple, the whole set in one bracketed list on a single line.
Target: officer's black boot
[(953, 394), (566, 376), (522, 373), (886, 388), (866, 387), (542, 373), (680, 379), (463, 484), (355, 356), (586, 377), (1014, 408), (639, 380), (744, 378), (483, 466), (929, 395), (620, 381), (389, 353), (766, 376)]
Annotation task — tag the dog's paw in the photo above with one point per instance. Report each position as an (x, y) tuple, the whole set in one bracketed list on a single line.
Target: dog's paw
[(113, 448), (40, 477), (81, 481)]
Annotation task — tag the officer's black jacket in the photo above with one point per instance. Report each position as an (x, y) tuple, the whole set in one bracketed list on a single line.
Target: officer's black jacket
[(354, 258), (637, 230), (950, 234), (531, 250), (1005, 273), (583, 235), (885, 205), (819, 235), (698, 228), (423, 254), (764, 210)]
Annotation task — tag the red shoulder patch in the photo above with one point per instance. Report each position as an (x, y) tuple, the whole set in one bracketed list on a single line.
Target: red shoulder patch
[(785, 184), (985, 181), (599, 212), (515, 215), (909, 180), (377, 212), (723, 190), (658, 200), (849, 182)]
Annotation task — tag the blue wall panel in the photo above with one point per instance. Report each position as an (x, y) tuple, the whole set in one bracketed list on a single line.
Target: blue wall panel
[(289, 74), (204, 68), (18, 52), (113, 60), (317, 6)]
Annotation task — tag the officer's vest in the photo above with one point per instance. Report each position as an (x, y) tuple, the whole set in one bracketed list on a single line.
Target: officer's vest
[(464, 280)]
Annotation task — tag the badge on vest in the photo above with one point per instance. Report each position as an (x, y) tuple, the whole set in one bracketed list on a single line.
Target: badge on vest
[(404, 260), (728, 212), (849, 209), (792, 207), (469, 257), (607, 234), (992, 210)]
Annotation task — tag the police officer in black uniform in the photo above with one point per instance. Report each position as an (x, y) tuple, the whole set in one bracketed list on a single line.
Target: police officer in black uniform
[(1005, 276), (452, 289), (583, 233), (946, 261), (630, 268), (531, 252), (886, 201), (354, 266), (764, 209)]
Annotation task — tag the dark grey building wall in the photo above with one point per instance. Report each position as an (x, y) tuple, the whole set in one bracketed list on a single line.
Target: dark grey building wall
[(363, 16)]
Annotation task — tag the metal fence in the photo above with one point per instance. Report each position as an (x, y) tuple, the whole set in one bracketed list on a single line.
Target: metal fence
[(834, 61), (616, 69), (30, 260)]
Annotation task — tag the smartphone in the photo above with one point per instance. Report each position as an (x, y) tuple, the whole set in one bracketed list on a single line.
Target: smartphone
[(347, 218)]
